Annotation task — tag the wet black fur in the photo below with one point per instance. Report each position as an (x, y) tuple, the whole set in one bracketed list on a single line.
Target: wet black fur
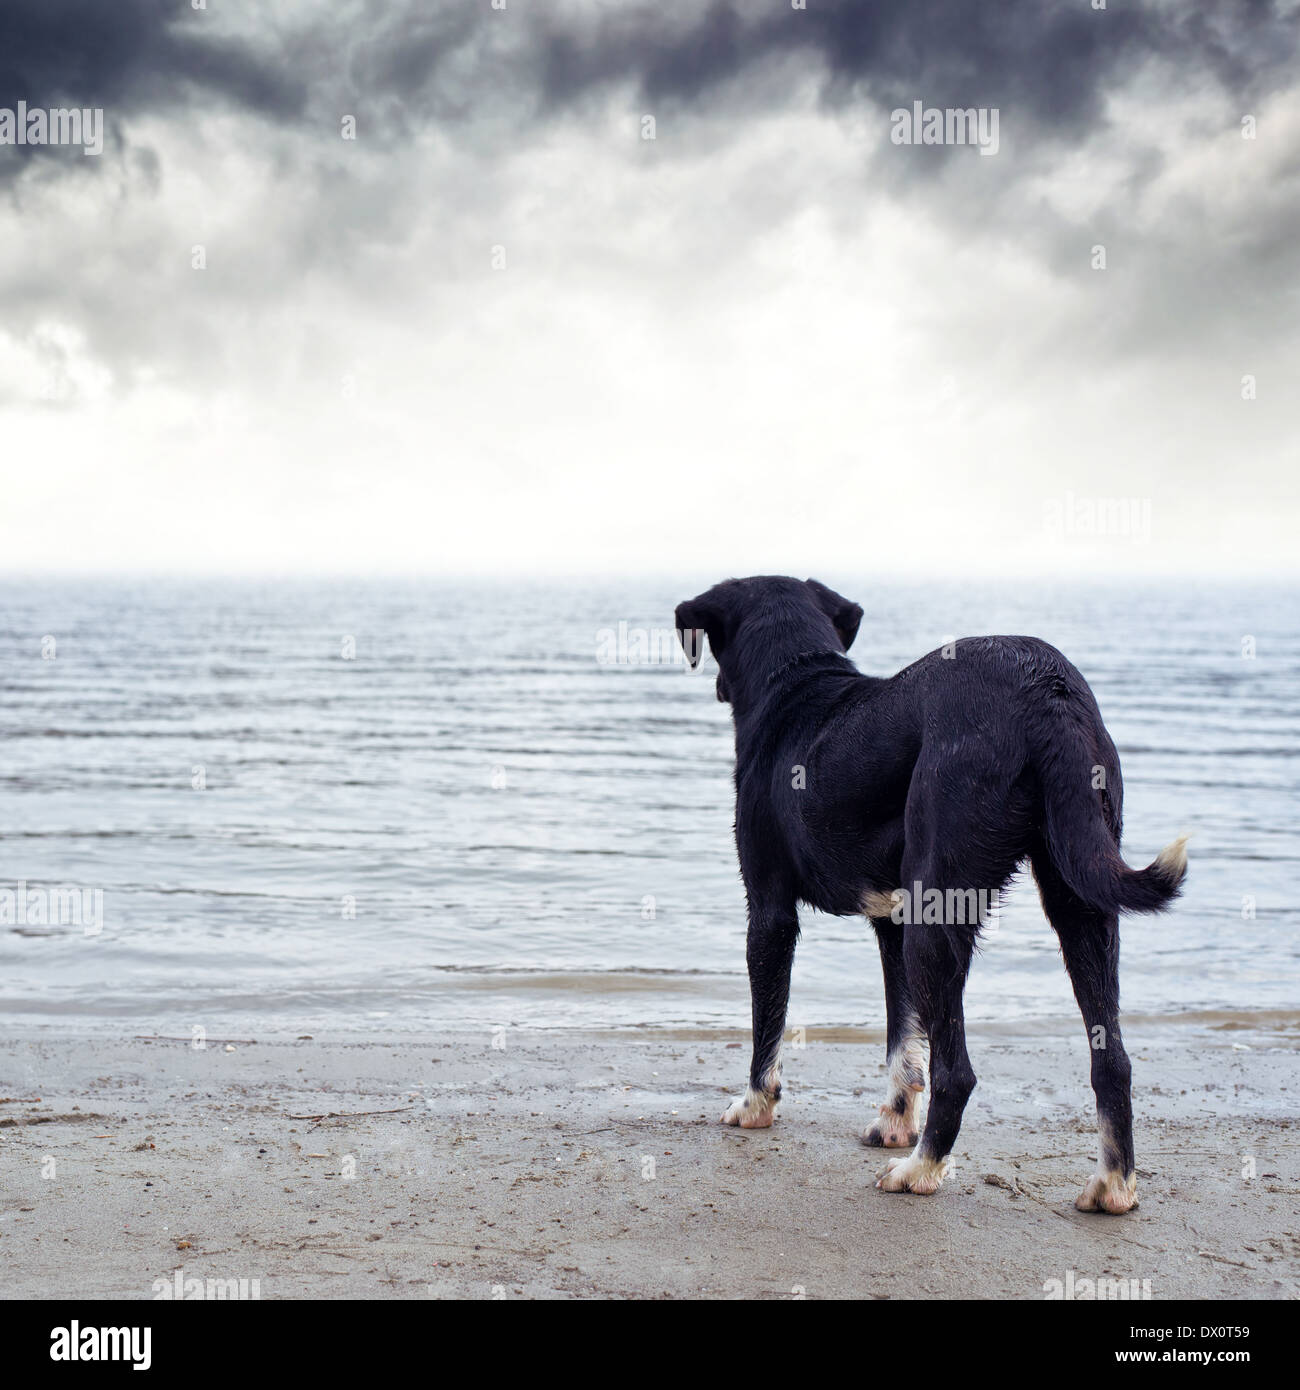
[(951, 773)]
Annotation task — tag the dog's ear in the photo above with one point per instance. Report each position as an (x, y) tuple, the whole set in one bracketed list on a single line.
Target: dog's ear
[(843, 612), (696, 619)]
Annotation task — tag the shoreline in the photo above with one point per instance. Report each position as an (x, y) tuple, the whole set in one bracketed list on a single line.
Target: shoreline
[(1285, 1023), (582, 1164)]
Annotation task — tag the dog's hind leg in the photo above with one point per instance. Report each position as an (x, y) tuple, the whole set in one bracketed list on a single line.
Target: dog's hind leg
[(769, 954), (937, 961), (896, 1126), (966, 828), (1090, 944)]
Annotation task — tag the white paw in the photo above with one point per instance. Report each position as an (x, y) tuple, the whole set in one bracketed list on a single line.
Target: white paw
[(913, 1174), (1109, 1192), (753, 1110), (891, 1130)]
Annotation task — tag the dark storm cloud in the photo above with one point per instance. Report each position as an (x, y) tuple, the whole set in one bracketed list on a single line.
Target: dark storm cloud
[(134, 54), (1049, 61), (131, 56), (1046, 63)]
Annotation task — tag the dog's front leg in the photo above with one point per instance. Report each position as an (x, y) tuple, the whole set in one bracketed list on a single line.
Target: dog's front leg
[(769, 953)]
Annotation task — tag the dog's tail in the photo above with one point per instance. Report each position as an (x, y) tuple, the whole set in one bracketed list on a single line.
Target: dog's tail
[(1085, 849), (1101, 878)]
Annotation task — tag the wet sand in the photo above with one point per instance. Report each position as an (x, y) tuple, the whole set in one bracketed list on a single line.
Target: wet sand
[(592, 1165)]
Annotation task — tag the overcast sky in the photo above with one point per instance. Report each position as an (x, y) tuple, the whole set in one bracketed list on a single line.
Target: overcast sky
[(503, 330)]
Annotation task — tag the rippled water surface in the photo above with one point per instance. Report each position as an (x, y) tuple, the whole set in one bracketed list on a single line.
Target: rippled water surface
[(529, 834)]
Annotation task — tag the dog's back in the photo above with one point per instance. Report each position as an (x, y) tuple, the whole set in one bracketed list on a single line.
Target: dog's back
[(1006, 720)]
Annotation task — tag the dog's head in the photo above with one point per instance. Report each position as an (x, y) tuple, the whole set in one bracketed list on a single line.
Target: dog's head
[(787, 617)]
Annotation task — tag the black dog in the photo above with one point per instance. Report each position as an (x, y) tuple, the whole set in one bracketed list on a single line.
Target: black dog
[(914, 799)]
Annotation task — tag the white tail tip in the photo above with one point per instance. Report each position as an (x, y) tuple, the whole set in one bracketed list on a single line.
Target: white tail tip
[(1172, 860)]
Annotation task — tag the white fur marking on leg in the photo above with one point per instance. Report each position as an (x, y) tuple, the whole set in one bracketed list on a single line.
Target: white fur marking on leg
[(892, 1130), (907, 1064), (1108, 1189), (753, 1110), (897, 1129), (913, 1174), (772, 1077), (1109, 1192)]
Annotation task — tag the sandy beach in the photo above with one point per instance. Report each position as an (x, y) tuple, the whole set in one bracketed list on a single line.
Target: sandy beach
[(591, 1165)]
